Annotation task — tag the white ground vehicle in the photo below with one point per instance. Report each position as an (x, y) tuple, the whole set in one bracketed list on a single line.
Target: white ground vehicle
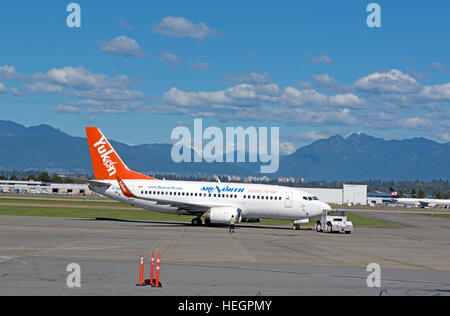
[(334, 221)]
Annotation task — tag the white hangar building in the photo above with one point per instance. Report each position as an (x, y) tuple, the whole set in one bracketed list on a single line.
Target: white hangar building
[(350, 194)]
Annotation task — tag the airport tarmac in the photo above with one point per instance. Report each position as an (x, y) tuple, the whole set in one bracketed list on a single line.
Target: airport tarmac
[(35, 251)]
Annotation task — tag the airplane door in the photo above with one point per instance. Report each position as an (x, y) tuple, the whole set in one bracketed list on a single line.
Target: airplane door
[(288, 200)]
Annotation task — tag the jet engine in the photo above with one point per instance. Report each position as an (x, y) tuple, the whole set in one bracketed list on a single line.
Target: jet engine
[(222, 215)]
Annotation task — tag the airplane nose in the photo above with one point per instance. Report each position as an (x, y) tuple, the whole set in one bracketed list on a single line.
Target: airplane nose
[(326, 207), (320, 207)]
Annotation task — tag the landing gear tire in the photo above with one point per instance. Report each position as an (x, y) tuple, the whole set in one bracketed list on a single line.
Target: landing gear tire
[(329, 228), (319, 227), (196, 221)]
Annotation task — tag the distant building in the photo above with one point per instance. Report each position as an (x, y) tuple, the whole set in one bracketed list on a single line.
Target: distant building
[(285, 180), (378, 199), (350, 194), (256, 179), (234, 178), (37, 187)]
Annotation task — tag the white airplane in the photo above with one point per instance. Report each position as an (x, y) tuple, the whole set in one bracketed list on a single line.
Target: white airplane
[(214, 201), (419, 202)]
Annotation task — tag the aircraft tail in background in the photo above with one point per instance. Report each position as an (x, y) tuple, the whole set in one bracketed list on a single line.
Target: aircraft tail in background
[(394, 192)]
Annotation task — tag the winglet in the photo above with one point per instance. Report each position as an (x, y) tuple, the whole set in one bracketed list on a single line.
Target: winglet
[(124, 188)]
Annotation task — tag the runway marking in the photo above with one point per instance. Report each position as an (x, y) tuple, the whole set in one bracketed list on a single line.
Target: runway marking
[(4, 259)]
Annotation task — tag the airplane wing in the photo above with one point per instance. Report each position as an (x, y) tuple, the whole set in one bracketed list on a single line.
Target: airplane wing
[(182, 206)]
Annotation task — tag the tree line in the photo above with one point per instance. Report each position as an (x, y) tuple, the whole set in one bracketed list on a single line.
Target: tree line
[(439, 188)]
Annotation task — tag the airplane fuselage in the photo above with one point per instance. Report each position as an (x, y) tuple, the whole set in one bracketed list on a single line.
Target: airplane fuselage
[(256, 201), (421, 202)]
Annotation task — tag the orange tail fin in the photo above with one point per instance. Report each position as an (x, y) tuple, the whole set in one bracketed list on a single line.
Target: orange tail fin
[(106, 162)]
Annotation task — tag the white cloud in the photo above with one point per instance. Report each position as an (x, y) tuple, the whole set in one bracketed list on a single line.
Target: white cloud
[(3, 88), (313, 135), (303, 84), (252, 78), (326, 82), (294, 97), (322, 59), (106, 106), (109, 94), (393, 81), (189, 99), (64, 108), (438, 67), (43, 87), (182, 28), (82, 79), (200, 66), (170, 58), (287, 148), (125, 25), (347, 100), (98, 93), (436, 92), (8, 72), (122, 46), (251, 94), (416, 123)]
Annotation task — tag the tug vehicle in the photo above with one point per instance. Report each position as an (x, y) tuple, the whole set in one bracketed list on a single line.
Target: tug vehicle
[(334, 221)]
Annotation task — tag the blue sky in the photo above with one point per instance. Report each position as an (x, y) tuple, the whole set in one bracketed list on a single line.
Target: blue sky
[(313, 68)]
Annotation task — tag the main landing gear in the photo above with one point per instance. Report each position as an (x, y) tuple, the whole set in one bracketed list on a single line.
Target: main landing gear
[(295, 227), (196, 221)]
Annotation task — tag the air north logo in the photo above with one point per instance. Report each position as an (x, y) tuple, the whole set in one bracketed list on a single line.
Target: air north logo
[(104, 154), (224, 189)]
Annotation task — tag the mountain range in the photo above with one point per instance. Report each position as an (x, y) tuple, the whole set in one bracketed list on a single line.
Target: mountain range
[(356, 157)]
